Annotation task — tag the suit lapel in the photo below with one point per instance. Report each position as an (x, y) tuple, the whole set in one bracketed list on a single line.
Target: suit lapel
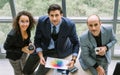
[(103, 36), (92, 39), (62, 30), (48, 29)]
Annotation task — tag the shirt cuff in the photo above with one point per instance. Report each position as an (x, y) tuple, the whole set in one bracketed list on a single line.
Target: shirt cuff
[(75, 54), (38, 49), (96, 65), (107, 47)]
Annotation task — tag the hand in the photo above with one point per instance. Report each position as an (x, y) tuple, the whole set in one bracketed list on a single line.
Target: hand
[(31, 46), (42, 61), (30, 52), (26, 50), (102, 51), (100, 70), (71, 64)]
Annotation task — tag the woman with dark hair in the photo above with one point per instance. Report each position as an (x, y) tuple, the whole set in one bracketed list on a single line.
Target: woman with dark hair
[(18, 40)]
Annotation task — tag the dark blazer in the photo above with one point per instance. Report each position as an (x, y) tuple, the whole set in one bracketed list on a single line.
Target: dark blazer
[(67, 41), (14, 44)]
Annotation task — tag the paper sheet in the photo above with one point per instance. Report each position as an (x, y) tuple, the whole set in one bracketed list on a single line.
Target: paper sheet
[(56, 63)]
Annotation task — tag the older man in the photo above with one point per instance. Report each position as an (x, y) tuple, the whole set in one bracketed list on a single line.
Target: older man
[(95, 46)]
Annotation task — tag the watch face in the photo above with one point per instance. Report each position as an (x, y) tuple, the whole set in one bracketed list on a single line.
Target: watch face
[(31, 47)]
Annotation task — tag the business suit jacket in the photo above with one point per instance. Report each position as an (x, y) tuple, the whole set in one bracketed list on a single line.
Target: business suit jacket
[(67, 41), (88, 45), (14, 43)]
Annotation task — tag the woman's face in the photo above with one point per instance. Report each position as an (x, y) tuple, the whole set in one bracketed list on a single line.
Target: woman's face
[(24, 22)]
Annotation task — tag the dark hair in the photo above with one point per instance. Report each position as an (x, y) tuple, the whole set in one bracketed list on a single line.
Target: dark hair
[(16, 21), (54, 7)]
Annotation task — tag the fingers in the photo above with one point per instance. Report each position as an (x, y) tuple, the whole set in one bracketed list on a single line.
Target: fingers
[(42, 61), (30, 52), (70, 64), (100, 70), (102, 51)]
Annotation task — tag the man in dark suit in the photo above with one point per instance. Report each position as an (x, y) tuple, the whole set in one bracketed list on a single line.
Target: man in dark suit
[(55, 37)]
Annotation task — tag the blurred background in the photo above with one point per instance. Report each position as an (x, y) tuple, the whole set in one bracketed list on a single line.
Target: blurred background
[(76, 10)]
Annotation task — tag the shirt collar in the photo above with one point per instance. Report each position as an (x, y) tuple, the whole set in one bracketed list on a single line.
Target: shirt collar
[(98, 35), (58, 25)]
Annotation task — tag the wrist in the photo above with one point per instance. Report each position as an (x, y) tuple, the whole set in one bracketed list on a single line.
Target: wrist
[(40, 54), (74, 60), (106, 47), (98, 68), (96, 65)]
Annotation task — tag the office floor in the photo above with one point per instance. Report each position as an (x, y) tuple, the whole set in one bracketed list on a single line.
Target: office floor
[(6, 69)]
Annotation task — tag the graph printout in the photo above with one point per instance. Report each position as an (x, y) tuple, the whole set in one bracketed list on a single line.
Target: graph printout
[(56, 63)]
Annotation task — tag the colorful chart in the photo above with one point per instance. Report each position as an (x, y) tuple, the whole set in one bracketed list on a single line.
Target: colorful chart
[(56, 63)]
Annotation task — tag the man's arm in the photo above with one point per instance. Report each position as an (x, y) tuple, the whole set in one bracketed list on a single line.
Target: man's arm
[(37, 42), (74, 40), (113, 39)]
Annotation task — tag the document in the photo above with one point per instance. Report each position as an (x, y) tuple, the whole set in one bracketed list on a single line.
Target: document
[(56, 63)]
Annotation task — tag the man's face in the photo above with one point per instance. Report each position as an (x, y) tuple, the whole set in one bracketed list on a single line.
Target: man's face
[(94, 25), (55, 17)]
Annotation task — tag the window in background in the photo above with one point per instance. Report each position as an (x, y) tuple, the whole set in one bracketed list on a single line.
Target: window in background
[(4, 30), (36, 7), (5, 10), (80, 28), (83, 8), (119, 10), (117, 46)]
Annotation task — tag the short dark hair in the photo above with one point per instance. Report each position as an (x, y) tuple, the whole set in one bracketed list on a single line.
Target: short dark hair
[(54, 7), (16, 20)]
